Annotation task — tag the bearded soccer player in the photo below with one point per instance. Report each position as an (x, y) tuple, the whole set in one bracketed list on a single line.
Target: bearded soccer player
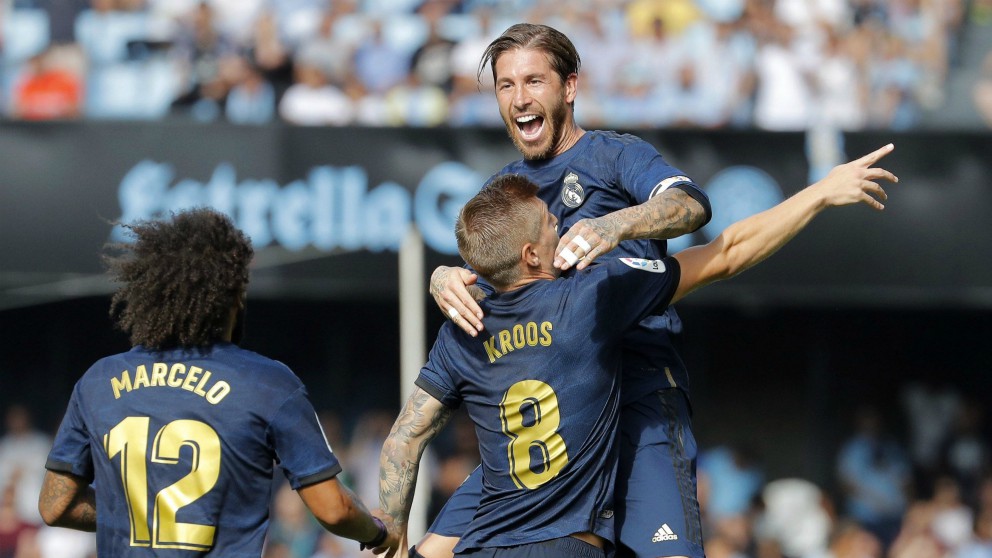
[(611, 193), (542, 386), (168, 449)]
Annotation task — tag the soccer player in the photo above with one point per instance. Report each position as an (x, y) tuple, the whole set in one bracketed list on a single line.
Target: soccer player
[(170, 446), (542, 386), (609, 192)]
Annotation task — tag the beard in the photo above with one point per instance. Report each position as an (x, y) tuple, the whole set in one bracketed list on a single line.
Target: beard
[(554, 121)]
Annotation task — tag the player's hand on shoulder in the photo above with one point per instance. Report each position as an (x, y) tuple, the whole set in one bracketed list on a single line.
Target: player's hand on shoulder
[(856, 181), (449, 287), (585, 241)]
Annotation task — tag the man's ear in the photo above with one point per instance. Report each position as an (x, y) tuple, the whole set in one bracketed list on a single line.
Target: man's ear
[(571, 87), (530, 256)]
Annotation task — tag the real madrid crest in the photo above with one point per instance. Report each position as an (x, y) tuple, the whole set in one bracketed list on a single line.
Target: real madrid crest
[(572, 194)]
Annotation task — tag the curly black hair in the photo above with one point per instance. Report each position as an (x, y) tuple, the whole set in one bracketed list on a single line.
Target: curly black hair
[(180, 279)]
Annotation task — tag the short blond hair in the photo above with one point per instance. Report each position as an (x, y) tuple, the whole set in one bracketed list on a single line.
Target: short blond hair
[(495, 224)]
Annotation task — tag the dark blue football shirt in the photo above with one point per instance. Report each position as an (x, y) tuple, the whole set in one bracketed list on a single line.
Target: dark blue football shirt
[(604, 172), (181, 445), (541, 384)]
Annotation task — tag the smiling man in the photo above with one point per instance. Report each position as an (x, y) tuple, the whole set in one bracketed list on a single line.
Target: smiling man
[(613, 193), (546, 403)]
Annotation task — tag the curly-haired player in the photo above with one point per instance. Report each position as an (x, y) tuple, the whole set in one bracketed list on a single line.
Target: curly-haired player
[(171, 445)]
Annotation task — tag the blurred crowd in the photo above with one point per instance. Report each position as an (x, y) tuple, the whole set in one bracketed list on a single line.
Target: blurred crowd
[(919, 490), (922, 490), (769, 64)]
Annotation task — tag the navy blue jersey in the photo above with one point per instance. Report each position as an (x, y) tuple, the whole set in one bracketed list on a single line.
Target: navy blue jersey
[(180, 446), (542, 386), (602, 173)]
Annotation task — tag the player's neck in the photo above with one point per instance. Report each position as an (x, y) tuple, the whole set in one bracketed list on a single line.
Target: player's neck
[(569, 137), (530, 276)]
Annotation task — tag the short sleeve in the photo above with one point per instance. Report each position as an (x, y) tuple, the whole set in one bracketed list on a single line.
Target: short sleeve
[(437, 375), (644, 173), (632, 288), (299, 442), (71, 452)]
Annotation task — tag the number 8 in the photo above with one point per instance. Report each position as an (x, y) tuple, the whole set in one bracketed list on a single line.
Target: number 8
[(539, 402)]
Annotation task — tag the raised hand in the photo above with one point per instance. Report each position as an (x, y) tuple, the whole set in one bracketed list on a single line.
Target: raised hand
[(855, 182)]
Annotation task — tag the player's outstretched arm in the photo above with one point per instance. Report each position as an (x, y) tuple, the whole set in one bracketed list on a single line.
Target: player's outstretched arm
[(67, 501), (456, 294), (341, 512), (421, 419), (751, 240), (670, 214)]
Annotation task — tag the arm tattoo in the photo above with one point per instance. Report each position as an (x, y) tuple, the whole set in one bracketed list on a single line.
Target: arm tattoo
[(668, 215), (422, 418), (69, 502)]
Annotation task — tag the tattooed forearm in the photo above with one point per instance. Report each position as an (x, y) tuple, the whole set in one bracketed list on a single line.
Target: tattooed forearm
[(668, 215), (419, 422), (67, 501)]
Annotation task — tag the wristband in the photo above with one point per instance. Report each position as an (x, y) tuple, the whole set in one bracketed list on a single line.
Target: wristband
[(380, 537)]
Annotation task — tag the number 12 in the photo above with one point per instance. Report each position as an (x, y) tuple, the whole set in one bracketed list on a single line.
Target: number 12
[(129, 439)]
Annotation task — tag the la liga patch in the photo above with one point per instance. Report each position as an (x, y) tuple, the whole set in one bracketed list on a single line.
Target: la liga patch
[(654, 266)]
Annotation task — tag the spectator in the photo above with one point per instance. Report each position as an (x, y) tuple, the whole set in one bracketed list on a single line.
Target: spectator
[(929, 409), (795, 520), (379, 66), (951, 521), (252, 100), (840, 92), (980, 545), (201, 48), (16, 535), (416, 104), (967, 456), (313, 100), (729, 481), (894, 80), (722, 55), (875, 475), (432, 63), (471, 100), (50, 89), (982, 90), (55, 542), (783, 100), (270, 55), (917, 538), (23, 452), (330, 50), (676, 15), (850, 540)]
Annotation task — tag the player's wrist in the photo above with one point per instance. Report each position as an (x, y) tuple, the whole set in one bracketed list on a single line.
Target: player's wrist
[(380, 536)]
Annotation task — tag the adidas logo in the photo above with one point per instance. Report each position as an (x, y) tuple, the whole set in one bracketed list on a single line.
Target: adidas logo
[(665, 534)]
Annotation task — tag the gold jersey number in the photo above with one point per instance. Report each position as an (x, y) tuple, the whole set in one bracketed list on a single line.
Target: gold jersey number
[(530, 416), (129, 440)]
